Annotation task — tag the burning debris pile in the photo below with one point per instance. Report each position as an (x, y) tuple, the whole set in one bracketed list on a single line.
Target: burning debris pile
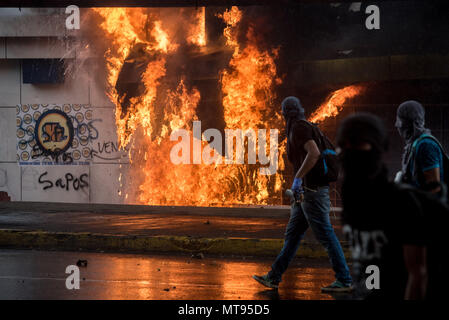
[(155, 96)]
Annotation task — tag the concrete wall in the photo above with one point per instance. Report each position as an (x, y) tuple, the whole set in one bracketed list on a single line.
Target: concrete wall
[(32, 22), (22, 181)]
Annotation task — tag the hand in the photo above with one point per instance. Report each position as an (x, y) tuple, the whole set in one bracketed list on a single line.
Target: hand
[(297, 186), (398, 177)]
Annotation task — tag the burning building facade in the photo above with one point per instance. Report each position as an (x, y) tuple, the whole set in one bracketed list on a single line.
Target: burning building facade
[(147, 73)]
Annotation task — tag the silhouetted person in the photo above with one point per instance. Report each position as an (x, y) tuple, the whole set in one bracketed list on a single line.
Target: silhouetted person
[(422, 160), (384, 224), (309, 182), (423, 167)]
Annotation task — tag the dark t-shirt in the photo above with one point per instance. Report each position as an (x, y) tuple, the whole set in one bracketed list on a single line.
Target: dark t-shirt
[(379, 219), (300, 133), (428, 155)]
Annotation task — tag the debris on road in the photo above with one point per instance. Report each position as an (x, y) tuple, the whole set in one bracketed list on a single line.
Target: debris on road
[(198, 255), (81, 263), (4, 197)]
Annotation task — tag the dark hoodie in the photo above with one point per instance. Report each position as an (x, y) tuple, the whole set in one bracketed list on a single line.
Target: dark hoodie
[(410, 120), (292, 110), (378, 218), (298, 133)]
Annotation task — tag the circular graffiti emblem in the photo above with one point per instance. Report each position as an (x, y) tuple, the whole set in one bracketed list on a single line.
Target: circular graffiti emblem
[(67, 108), (54, 131), (79, 116), (27, 118), (30, 130), (76, 155), (20, 133), (86, 152), (36, 115), (84, 141), (34, 154), (75, 143), (25, 156), (22, 144)]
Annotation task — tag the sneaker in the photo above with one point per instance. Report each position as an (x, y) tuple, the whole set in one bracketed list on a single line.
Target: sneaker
[(266, 281), (337, 286)]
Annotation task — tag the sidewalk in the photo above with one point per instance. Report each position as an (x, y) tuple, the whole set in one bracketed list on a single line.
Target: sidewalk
[(252, 231)]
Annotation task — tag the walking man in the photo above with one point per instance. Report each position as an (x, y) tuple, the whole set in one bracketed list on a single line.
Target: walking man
[(310, 182)]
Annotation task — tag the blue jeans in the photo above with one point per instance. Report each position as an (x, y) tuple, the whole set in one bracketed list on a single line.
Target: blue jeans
[(313, 211)]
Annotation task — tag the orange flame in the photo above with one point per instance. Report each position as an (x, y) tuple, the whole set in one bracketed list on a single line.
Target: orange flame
[(248, 88), (124, 27), (334, 103), (197, 31), (231, 18)]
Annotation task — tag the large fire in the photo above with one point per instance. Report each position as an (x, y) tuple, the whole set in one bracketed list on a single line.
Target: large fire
[(142, 43), (248, 83), (248, 91)]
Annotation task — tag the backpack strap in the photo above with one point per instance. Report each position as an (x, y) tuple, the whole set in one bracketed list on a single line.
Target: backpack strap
[(320, 134), (324, 150), (429, 136), (414, 148)]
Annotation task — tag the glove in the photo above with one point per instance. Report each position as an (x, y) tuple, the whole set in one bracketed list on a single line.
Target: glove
[(398, 177), (297, 186)]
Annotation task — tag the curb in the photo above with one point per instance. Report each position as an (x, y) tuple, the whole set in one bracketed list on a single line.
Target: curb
[(163, 244), (58, 207)]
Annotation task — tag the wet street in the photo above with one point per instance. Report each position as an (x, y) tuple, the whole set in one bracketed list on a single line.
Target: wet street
[(30, 274)]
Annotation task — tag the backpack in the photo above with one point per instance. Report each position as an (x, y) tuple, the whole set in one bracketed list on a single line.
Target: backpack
[(331, 165), (445, 157)]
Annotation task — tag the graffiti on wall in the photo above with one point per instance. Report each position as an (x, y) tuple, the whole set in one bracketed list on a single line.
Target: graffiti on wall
[(55, 134), (108, 150), (68, 182)]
